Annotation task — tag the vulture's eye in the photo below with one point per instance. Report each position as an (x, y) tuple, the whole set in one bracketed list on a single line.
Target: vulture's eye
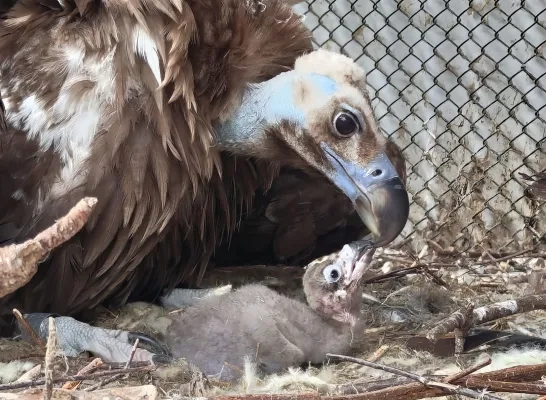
[(331, 273), (346, 124)]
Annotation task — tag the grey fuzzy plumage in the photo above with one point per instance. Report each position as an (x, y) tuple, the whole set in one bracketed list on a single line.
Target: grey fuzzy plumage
[(274, 331)]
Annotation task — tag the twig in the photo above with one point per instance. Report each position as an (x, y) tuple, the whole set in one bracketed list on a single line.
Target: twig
[(378, 353), (446, 387), (279, 396), (31, 333), (393, 274), (50, 359), (458, 319), (414, 391), (103, 382), (465, 372), (459, 341), (87, 377), (397, 389), (520, 373), (117, 376), (133, 350), (463, 319), (32, 373), (439, 281), (18, 262), (89, 368), (509, 387)]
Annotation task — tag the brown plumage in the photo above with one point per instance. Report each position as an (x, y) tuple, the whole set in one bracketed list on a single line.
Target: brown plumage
[(302, 217), (117, 100)]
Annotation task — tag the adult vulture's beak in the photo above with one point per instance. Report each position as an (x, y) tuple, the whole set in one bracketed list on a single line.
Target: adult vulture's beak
[(377, 192)]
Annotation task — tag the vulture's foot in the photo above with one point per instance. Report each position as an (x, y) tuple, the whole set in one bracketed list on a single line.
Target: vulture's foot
[(75, 337), (181, 298)]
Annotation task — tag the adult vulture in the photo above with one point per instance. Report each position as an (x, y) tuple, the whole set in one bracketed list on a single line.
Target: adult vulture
[(178, 116)]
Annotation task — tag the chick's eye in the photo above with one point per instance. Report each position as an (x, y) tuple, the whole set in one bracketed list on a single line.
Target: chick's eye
[(346, 124), (331, 273)]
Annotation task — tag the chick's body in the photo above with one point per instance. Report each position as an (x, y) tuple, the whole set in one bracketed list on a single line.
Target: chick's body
[(254, 321)]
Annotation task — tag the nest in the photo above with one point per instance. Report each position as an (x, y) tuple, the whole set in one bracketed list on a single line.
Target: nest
[(426, 354)]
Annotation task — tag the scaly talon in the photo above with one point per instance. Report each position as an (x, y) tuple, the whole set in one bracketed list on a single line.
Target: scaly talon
[(75, 337)]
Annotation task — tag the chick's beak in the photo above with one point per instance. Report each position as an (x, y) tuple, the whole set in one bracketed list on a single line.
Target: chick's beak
[(377, 192), (360, 257)]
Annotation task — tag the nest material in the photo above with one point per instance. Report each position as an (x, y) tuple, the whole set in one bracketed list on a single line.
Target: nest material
[(427, 287)]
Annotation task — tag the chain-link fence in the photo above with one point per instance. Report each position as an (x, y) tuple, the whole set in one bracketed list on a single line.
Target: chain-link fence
[(460, 87)]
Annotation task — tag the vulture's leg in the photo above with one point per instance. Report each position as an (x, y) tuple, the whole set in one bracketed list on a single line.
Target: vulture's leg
[(75, 337), (181, 298)]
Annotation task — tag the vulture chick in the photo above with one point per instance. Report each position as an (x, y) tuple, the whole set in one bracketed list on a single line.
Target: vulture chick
[(220, 331), (174, 114)]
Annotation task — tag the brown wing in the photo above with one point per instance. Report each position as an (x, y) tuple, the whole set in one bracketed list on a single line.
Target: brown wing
[(161, 200)]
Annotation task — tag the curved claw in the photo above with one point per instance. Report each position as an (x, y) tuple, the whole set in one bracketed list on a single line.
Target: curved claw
[(159, 359), (149, 343)]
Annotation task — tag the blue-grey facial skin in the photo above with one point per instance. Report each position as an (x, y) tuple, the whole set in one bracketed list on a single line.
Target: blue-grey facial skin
[(380, 199), (268, 104), (377, 192)]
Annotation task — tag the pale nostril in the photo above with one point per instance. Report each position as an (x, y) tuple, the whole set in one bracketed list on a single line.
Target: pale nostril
[(377, 172)]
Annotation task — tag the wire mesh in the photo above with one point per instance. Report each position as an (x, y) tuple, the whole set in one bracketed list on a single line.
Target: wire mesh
[(460, 88)]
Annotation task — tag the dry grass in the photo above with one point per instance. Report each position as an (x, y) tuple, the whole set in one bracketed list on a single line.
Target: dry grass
[(426, 288)]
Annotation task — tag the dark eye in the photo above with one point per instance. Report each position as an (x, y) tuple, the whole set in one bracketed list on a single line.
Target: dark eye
[(331, 273), (346, 124)]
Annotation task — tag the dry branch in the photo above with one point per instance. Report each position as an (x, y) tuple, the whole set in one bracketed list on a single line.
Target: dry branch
[(88, 369), (28, 329), (279, 396), (86, 377), (468, 317), (146, 392), (427, 382), (31, 374), (18, 262), (49, 359), (465, 372)]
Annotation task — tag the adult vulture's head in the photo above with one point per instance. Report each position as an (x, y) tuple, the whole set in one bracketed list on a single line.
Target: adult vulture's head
[(319, 115)]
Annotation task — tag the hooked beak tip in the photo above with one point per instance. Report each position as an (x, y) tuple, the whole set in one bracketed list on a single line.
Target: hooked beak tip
[(384, 210)]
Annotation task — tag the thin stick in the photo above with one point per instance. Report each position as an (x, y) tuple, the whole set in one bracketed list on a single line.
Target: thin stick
[(103, 382), (116, 377), (465, 372), (50, 359), (275, 396), (32, 373), (88, 377), (414, 391), (465, 319), (89, 368), (378, 353), (31, 333), (505, 258), (133, 350), (421, 379)]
